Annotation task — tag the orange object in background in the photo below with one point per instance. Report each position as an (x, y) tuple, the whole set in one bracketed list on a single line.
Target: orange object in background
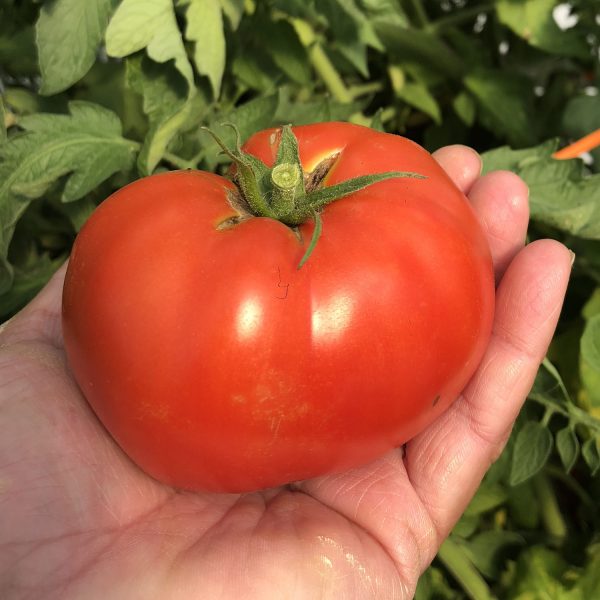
[(585, 144)]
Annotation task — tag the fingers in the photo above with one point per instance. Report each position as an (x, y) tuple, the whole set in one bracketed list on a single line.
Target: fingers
[(41, 318), (500, 200), (462, 163), (447, 462)]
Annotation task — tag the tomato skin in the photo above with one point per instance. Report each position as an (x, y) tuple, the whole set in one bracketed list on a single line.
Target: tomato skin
[(218, 365)]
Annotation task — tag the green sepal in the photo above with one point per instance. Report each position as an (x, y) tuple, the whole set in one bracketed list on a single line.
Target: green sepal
[(288, 153), (322, 196), (314, 239)]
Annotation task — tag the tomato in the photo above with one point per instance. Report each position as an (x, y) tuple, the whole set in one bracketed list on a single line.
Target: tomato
[(217, 364)]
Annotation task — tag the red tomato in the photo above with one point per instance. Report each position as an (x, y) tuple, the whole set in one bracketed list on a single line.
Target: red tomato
[(218, 365)]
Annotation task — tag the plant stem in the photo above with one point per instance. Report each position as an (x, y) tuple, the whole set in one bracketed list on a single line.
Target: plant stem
[(454, 558), (177, 161), (363, 89), (458, 17), (550, 511), (321, 63), (420, 13)]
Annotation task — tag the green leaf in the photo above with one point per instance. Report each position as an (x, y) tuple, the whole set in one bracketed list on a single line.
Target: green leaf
[(591, 454), (3, 121), (86, 146), (151, 24), (68, 34), (488, 548), (165, 102), (567, 445), (233, 10), (505, 103), (488, 497), (590, 360), (523, 505), (29, 279), (464, 107), (539, 574), (318, 110), (404, 44), (533, 21), (531, 451), (580, 117), (592, 307), (248, 118), (417, 95), (205, 27), (351, 30), (561, 194)]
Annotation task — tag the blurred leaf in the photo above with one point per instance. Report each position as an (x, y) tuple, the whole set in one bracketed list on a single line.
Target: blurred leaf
[(582, 116), (68, 35), (592, 306), (205, 28), (538, 575), (3, 122), (24, 102), (315, 111), (233, 10), (567, 445), (505, 103), (384, 11), (590, 360), (433, 586), (486, 550), (591, 454), (29, 278), (488, 497), (533, 21), (464, 106), (418, 95), (524, 508), (18, 51), (352, 31), (532, 449), (414, 45)]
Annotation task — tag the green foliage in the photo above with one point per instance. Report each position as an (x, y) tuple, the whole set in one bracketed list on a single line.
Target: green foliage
[(97, 93)]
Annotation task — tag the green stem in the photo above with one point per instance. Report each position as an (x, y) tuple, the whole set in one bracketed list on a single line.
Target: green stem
[(458, 17), (551, 515), (177, 161), (285, 178), (363, 89), (568, 410), (321, 63), (420, 13), (454, 558)]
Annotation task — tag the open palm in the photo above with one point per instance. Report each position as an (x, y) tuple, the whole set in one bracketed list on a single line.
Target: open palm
[(79, 520)]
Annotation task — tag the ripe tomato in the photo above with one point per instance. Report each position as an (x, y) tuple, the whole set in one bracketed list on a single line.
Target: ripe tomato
[(218, 365)]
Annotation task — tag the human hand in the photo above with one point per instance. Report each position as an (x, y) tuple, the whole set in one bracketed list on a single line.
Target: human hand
[(79, 520)]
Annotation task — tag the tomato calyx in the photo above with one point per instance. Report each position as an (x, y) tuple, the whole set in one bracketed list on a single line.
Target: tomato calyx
[(285, 192)]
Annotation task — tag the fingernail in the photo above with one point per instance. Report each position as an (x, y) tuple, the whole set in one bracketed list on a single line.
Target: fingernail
[(572, 257)]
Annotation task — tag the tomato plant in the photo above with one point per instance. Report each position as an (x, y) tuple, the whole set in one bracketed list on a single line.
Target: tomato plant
[(218, 364)]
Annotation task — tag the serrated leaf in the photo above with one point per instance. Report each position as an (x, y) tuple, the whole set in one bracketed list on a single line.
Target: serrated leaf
[(417, 95), (567, 445), (68, 33), (531, 451), (591, 454), (86, 146), (505, 103), (204, 27), (560, 193), (533, 21)]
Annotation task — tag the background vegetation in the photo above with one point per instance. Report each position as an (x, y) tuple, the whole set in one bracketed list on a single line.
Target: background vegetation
[(97, 93)]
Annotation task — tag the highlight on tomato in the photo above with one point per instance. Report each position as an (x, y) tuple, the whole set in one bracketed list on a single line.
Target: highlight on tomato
[(318, 308)]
